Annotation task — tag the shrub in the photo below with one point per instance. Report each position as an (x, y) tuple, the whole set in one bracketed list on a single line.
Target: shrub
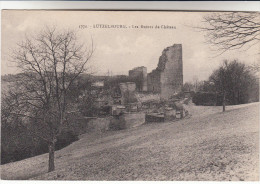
[(207, 99), (65, 139), (26, 147)]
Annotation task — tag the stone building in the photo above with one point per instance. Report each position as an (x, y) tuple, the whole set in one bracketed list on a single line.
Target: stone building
[(127, 93), (167, 78), (140, 75)]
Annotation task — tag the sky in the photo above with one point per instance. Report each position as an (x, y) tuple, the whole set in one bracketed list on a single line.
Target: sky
[(119, 50)]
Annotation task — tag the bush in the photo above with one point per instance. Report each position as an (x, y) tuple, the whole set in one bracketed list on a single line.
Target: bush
[(27, 146), (65, 139), (11, 152), (207, 99)]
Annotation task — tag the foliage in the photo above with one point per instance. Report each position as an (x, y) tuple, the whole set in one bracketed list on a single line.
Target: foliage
[(188, 86), (207, 98), (234, 80), (17, 143), (87, 105), (232, 83)]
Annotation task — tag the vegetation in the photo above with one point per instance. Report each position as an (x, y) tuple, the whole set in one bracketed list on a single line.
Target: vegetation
[(232, 30), (232, 83), (207, 98), (41, 100)]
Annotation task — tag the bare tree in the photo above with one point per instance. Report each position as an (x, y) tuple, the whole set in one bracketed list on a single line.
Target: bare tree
[(255, 68), (232, 30), (50, 63), (195, 81)]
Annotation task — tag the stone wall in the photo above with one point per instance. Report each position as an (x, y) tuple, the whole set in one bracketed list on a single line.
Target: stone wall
[(140, 73), (128, 92), (98, 125), (134, 119), (149, 118), (154, 81), (167, 78), (126, 121), (85, 125)]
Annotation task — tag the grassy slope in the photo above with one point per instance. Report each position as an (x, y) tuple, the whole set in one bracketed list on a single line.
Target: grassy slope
[(209, 146)]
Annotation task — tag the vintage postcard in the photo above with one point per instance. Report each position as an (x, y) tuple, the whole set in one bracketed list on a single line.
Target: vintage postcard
[(130, 95)]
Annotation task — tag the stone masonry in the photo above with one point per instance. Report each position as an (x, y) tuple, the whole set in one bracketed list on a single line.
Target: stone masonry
[(141, 74), (128, 92), (167, 78)]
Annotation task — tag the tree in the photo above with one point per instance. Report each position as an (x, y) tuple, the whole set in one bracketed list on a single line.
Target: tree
[(188, 86), (233, 81), (232, 30), (50, 63), (197, 84), (221, 82)]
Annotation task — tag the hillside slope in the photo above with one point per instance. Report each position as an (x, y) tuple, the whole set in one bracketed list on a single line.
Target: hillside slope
[(211, 145)]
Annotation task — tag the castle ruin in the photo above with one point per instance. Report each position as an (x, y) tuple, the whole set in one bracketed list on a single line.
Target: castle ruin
[(167, 78), (140, 73), (128, 92)]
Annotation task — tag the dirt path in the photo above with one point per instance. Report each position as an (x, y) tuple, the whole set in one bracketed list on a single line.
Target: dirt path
[(209, 146)]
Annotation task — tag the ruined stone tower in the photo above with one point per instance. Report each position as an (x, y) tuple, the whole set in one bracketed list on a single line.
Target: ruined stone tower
[(167, 78)]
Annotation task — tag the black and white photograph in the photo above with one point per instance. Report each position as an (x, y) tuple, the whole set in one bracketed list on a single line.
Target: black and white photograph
[(130, 95)]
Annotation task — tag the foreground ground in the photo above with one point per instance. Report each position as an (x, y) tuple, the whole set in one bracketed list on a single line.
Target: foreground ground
[(210, 145)]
